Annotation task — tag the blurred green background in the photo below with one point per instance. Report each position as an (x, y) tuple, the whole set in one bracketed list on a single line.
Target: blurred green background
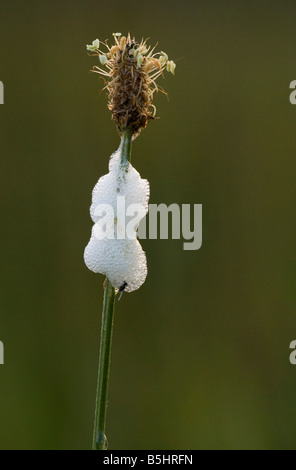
[(200, 355)]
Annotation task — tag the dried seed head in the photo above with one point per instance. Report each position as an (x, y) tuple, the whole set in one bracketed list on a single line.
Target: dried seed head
[(130, 72)]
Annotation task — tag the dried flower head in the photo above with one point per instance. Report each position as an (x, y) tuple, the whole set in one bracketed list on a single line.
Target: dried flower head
[(130, 72)]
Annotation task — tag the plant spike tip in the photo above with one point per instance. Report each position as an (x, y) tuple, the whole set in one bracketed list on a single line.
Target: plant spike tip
[(131, 70)]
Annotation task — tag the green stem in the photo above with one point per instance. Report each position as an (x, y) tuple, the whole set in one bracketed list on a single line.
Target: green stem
[(99, 438), (126, 146)]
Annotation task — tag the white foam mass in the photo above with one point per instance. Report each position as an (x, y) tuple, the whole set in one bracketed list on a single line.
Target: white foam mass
[(120, 257)]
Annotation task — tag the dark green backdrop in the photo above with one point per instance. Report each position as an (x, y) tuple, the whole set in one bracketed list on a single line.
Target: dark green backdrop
[(200, 354)]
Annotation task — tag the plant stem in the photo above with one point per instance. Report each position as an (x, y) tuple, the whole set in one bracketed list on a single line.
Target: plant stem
[(126, 146), (99, 438)]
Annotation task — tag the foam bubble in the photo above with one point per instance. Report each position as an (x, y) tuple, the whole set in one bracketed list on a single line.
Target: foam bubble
[(121, 259)]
